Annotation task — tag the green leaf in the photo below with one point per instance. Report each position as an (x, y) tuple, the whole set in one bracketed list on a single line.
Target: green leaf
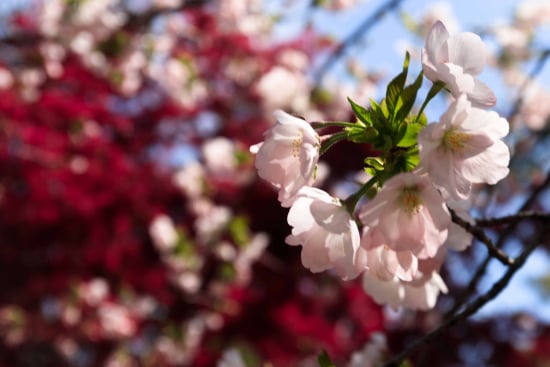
[(379, 110), (410, 133), (361, 134), (408, 97), (395, 87), (422, 120), (393, 91), (412, 159), (360, 112), (406, 62), (324, 360), (388, 143)]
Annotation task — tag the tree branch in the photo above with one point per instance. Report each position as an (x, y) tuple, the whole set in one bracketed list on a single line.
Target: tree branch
[(368, 23), (481, 236), (480, 272), (526, 215), (474, 306)]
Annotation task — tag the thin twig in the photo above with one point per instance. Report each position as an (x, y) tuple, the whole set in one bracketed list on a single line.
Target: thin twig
[(474, 306), (507, 232), (368, 23), (482, 237)]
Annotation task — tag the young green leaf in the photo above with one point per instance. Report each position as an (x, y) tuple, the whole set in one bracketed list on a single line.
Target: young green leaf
[(409, 135), (362, 114), (408, 96)]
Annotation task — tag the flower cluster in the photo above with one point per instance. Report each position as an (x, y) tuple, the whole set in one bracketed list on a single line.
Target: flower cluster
[(397, 227)]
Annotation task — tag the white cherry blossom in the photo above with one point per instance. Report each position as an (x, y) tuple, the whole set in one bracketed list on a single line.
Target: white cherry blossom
[(456, 61), (421, 293), (288, 156), (383, 261), (464, 147), (328, 234), (410, 214)]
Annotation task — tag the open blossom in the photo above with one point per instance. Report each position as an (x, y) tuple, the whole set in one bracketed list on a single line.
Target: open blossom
[(456, 61), (327, 233), (410, 214), (163, 233), (385, 262), (288, 156), (420, 293), (464, 148)]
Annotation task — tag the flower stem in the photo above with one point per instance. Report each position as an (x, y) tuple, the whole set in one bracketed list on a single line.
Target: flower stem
[(352, 200), (332, 139), (436, 88), (320, 125)]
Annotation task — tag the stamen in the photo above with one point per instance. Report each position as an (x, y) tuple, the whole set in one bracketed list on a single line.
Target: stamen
[(455, 141), (411, 200), (297, 144)]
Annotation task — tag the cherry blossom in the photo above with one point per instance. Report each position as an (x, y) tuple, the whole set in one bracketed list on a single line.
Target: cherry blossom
[(219, 155), (163, 233), (456, 61), (464, 147), (327, 233), (421, 293), (383, 261), (288, 156), (410, 214)]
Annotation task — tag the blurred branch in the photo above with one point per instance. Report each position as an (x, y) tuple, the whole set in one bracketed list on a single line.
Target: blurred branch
[(480, 235), (480, 272), (475, 305), (368, 23), (543, 58), (526, 215)]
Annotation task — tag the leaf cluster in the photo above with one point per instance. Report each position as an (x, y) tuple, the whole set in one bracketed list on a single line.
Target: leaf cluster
[(390, 127)]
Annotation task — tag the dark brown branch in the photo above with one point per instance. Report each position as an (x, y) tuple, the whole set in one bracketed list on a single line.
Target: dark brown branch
[(367, 24), (526, 215), (480, 272), (480, 235), (474, 306)]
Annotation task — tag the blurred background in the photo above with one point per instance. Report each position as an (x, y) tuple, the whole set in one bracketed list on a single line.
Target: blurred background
[(135, 232)]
